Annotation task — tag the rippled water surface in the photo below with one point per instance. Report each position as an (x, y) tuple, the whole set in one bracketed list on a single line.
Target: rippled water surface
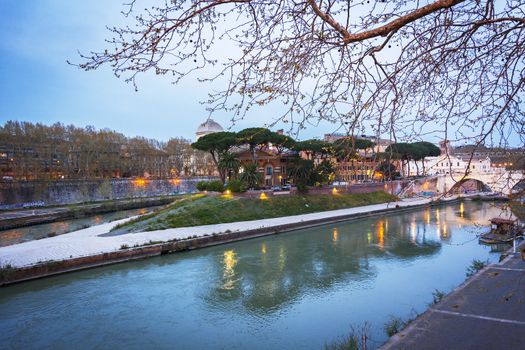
[(297, 290)]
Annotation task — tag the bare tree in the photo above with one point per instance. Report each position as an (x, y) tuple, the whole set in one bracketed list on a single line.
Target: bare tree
[(403, 68)]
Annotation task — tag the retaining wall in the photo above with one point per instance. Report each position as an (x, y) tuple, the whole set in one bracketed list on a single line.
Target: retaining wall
[(22, 194)]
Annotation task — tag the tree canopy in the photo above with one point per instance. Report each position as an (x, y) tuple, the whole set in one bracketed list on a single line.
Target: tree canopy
[(217, 145), (314, 147), (398, 67)]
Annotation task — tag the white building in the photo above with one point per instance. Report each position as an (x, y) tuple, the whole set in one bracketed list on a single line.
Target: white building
[(450, 163), (208, 127)]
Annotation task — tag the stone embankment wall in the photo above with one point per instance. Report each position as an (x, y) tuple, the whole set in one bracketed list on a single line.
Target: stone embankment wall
[(21, 194), (393, 187)]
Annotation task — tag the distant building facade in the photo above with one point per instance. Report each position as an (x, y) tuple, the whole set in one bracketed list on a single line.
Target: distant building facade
[(272, 167)]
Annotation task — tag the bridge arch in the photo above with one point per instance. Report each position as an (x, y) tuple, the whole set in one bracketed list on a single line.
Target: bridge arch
[(470, 185)]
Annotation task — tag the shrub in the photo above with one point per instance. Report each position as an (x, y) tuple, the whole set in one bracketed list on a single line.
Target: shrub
[(5, 270), (437, 296), (236, 186), (356, 340), (301, 187), (475, 266), (394, 326), (202, 185), (214, 186)]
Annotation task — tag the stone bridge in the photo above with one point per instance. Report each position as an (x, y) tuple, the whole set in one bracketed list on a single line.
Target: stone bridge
[(502, 181)]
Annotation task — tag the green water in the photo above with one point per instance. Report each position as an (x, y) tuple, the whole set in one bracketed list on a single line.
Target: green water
[(297, 290)]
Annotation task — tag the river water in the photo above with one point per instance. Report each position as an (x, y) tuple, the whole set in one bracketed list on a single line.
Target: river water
[(297, 290), (29, 233)]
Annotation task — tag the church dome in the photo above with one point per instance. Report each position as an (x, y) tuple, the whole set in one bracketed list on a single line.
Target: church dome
[(208, 127)]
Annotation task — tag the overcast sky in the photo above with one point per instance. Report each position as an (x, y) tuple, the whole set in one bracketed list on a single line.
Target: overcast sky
[(37, 85)]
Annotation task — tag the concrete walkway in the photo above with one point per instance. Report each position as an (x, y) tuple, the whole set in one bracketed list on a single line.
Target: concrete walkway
[(486, 312), (89, 241)]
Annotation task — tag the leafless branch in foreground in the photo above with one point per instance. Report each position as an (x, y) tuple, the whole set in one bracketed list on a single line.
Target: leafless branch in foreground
[(402, 68)]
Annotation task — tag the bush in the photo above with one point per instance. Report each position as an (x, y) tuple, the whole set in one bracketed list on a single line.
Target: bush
[(476, 266), (214, 186), (236, 186), (437, 296), (202, 185), (394, 326), (301, 187), (356, 340)]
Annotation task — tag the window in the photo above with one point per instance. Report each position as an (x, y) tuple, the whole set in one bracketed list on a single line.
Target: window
[(269, 170)]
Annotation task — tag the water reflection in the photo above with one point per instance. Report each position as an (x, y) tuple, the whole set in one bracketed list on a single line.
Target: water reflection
[(296, 290), (230, 260), (276, 273)]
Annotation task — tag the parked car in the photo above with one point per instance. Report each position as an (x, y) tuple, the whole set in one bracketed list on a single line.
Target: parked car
[(276, 188)]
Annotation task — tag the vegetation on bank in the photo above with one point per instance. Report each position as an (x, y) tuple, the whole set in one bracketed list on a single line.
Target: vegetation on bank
[(475, 266), (203, 209), (518, 209)]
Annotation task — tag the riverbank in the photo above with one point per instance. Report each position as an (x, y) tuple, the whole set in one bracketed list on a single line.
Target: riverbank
[(28, 217), (205, 209), (485, 312), (89, 247)]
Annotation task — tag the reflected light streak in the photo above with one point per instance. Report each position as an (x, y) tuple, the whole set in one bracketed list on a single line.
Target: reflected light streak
[(413, 232), (229, 260), (11, 234), (461, 209), (282, 258), (335, 235), (444, 233), (381, 233)]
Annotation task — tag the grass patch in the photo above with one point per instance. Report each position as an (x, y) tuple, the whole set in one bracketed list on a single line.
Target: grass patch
[(5, 270), (396, 325), (200, 209), (179, 202), (358, 339)]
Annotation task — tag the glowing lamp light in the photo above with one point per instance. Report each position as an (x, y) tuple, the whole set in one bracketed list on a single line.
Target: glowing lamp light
[(334, 190), (263, 196), (139, 182), (227, 192)]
